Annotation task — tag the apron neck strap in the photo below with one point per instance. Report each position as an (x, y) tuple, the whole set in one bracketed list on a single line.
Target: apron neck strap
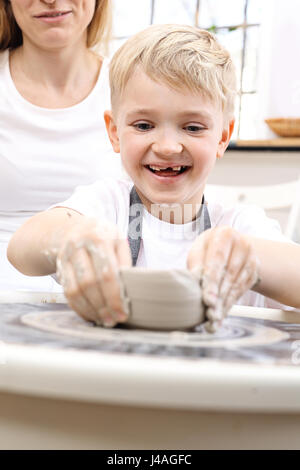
[(135, 226)]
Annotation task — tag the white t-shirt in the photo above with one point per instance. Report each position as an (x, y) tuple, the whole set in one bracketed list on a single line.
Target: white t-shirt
[(166, 245), (44, 154)]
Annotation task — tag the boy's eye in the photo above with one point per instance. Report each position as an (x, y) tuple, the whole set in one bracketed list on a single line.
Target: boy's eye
[(143, 126), (193, 128)]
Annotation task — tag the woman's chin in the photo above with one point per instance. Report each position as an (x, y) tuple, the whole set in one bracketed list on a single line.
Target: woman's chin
[(55, 41)]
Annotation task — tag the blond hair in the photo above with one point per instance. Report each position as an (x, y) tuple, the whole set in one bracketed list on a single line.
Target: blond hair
[(181, 57), (98, 31)]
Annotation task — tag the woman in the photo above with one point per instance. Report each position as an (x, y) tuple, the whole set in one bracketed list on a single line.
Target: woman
[(53, 92)]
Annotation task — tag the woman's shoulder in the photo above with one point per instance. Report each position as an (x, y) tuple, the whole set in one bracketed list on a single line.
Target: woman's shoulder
[(100, 93), (104, 69), (102, 63)]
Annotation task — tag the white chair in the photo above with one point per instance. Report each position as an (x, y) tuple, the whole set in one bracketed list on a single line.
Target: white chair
[(293, 224), (277, 200)]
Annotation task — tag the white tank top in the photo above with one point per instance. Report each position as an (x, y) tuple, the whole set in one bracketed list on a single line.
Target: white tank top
[(44, 154)]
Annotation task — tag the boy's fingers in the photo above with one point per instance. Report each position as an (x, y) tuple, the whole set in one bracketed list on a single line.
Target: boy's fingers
[(246, 279), (218, 254), (216, 312), (74, 295), (215, 264), (228, 269), (105, 267), (89, 284), (237, 263), (83, 309), (123, 254), (93, 255), (207, 259), (212, 325), (110, 283)]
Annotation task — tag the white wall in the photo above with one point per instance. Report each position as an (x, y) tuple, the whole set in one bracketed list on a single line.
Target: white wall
[(279, 64)]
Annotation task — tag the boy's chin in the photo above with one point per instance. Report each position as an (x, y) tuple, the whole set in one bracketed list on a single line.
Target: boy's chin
[(166, 203), (169, 201)]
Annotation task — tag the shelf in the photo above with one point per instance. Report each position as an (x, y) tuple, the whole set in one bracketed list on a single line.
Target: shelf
[(279, 142)]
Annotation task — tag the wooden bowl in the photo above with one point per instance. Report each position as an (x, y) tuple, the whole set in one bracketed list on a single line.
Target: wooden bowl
[(285, 127)]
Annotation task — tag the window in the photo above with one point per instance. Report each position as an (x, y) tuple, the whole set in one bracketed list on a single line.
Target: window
[(236, 24)]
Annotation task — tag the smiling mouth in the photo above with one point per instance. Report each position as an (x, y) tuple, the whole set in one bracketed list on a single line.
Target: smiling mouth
[(167, 171), (53, 14)]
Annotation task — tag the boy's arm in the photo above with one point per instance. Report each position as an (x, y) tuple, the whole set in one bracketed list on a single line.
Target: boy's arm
[(279, 270), (86, 256), (34, 246)]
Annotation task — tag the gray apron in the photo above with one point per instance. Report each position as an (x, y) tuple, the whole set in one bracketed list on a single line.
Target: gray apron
[(136, 222)]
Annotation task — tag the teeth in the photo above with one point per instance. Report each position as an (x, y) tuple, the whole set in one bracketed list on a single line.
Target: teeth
[(54, 14), (157, 168)]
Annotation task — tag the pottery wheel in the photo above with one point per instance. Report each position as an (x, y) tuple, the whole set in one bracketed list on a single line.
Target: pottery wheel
[(233, 333), (241, 339)]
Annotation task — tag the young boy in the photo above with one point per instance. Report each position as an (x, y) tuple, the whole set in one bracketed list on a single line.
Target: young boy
[(172, 93)]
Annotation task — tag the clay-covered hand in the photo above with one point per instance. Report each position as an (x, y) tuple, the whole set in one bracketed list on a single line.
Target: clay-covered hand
[(227, 266), (87, 267)]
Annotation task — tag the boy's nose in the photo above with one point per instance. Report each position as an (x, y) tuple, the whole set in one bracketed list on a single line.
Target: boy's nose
[(167, 145)]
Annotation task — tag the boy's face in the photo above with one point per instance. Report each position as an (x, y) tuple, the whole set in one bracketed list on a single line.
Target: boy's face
[(168, 140)]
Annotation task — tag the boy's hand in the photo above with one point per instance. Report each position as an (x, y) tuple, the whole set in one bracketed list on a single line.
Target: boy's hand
[(227, 267), (87, 267)]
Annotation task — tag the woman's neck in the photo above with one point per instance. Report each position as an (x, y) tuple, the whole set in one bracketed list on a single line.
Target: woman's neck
[(54, 78)]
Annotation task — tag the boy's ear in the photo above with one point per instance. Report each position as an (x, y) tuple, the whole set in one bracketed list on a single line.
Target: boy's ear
[(111, 128), (226, 136)]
